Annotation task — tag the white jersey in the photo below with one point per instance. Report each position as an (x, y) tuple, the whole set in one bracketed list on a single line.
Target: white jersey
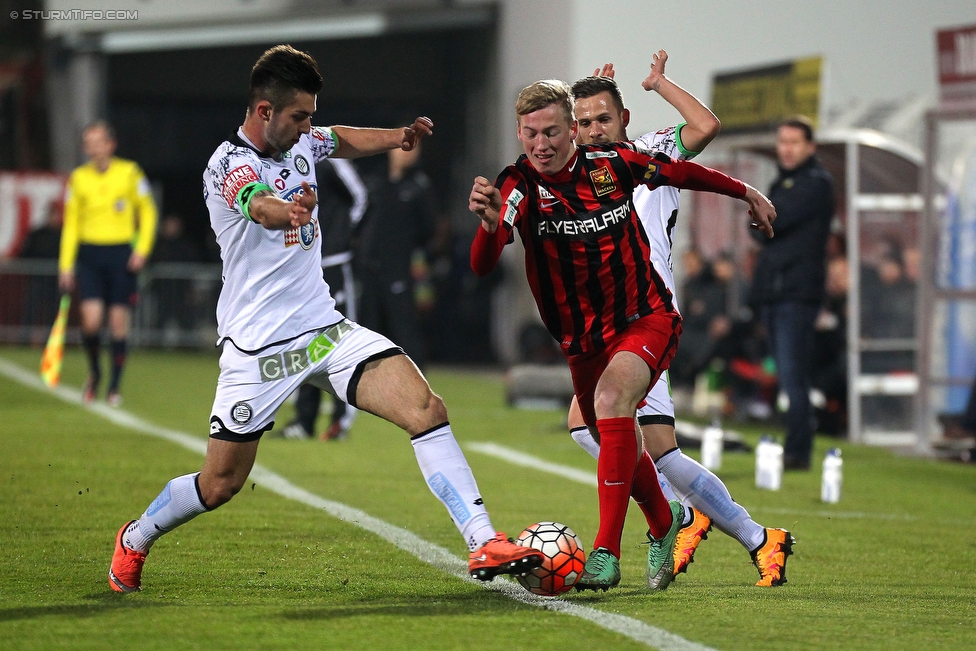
[(273, 288), (658, 208)]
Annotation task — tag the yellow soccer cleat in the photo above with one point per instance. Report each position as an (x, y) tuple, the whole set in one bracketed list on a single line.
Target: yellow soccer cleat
[(689, 537), (770, 558)]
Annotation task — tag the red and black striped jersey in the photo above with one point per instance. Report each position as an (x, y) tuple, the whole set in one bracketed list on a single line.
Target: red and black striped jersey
[(586, 253)]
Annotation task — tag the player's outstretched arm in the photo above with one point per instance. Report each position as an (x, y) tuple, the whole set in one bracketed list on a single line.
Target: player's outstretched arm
[(356, 142), (701, 124), (691, 176), (277, 214)]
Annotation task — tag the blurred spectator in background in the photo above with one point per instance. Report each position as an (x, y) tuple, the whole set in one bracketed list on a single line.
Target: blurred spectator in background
[(41, 295), (830, 352), (788, 287), (402, 217), (888, 312), (703, 308), (109, 230), (174, 296), (44, 243), (342, 198)]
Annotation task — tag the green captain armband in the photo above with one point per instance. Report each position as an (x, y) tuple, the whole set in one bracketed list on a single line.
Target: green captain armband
[(687, 153), (247, 193)]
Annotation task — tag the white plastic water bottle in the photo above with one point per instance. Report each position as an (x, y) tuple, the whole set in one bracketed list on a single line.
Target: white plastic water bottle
[(833, 466), (769, 464), (713, 440)]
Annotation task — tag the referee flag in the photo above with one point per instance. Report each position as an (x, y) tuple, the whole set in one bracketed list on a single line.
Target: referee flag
[(54, 350)]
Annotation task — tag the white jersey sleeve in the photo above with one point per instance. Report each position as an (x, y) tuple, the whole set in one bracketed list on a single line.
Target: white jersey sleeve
[(322, 142), (658, 208), (273, 289)]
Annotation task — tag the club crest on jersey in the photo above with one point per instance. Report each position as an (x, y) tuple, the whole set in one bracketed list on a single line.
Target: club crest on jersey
[(511, 206), (301, 164), (304, 235), (544, 193), (241, 413), (603, 182)]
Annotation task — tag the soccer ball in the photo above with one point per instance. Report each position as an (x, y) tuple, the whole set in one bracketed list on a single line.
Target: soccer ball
[(563, 558)]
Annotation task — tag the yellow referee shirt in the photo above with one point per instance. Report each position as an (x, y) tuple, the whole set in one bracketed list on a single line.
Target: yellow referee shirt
[(107, 208)]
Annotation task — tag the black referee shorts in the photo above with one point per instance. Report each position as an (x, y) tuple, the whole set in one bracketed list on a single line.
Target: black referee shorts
[(102, 272)]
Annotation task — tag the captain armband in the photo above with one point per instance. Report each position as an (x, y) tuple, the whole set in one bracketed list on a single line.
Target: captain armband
[(247, 193)]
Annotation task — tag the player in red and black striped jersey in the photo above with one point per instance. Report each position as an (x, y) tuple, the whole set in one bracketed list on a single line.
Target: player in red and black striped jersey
[(586, 257)]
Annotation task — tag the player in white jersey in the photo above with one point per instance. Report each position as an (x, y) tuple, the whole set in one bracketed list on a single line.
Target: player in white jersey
[(603, 118), (278, 324)]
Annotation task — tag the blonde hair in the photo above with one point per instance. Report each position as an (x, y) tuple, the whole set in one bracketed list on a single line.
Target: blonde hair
[(543, 93)]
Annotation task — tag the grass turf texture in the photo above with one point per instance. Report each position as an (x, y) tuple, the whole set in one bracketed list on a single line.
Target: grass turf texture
[(266, 572)]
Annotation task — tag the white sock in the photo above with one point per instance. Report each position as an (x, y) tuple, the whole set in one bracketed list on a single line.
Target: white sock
[(669, 493), (178, 503), (700, 488), (586, 441), (450, 479)]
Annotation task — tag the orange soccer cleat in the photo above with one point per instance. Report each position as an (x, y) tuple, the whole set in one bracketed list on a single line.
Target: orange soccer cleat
[(502, 556), (770, 558), (689, 537), (125, 575)]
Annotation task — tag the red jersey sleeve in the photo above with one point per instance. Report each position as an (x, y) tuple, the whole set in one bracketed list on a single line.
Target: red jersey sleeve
[(654, 169), (487, 247)]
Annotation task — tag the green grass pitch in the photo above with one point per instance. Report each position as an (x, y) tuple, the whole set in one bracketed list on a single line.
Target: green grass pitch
[(889, 567)]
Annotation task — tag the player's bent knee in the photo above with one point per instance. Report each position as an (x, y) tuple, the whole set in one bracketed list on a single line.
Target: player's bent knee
[(612, 403), (218, 493), (430, 413)]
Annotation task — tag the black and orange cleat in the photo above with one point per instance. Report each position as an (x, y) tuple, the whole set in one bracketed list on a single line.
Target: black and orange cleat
[(125, 574), (770, 558), (502, 556)]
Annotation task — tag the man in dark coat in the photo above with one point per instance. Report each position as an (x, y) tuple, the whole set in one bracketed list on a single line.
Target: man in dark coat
[(789, 279)]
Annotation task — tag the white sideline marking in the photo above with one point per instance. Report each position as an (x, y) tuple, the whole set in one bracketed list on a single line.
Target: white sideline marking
[(428, 552), (583, 477)]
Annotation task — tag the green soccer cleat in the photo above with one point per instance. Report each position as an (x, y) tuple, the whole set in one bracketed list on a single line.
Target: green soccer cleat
[(660, 553), (601, 572)]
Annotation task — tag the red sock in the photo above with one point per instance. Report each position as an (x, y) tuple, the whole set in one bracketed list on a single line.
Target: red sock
[(649, 496), (615, 476)]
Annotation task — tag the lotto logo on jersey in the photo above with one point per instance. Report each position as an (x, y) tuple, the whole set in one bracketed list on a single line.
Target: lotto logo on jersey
[(237, 179), (603, 182)]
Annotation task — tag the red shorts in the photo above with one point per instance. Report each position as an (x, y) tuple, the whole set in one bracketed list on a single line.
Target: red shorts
[(653, 338)]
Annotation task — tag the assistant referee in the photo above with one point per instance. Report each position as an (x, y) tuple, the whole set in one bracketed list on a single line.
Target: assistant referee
[(109, 230)]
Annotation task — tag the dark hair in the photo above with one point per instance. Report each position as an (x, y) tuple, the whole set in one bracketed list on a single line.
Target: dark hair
[(801, 122), (280, 73), (590, 86)]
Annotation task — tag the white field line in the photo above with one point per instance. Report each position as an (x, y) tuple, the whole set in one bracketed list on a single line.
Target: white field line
[(428, 552), (583, 477)]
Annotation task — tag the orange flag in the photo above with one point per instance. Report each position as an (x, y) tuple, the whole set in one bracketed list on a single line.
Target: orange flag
[(54, 350)]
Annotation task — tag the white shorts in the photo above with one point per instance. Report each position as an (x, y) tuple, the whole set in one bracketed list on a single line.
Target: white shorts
[(659, 407), (251, 387)]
